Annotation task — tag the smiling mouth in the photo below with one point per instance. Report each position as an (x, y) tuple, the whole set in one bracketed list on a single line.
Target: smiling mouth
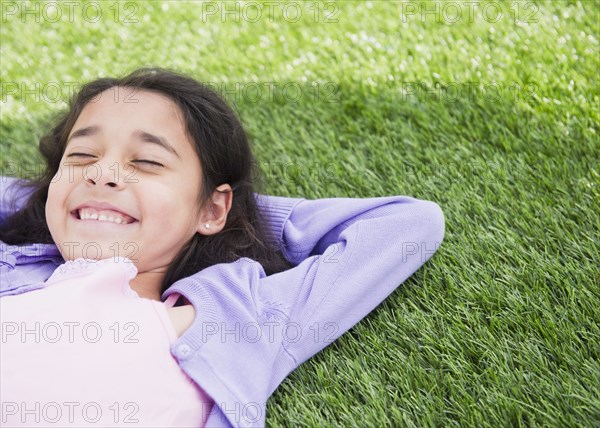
[(108, 216)]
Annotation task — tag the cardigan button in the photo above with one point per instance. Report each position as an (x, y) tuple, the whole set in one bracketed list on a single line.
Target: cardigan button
[(183, 351)]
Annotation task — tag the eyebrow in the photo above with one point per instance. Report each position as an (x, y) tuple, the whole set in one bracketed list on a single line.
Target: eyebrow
[(144, 136), (84, 132), (155, 139)]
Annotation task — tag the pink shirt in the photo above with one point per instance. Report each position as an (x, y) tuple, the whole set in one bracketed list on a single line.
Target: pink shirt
[(86, 350)]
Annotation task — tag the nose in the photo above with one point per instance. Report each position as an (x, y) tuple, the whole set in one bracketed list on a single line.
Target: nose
[(109, 184), (96, 175)]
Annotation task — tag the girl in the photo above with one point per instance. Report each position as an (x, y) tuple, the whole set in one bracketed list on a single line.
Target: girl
[(147, 225)]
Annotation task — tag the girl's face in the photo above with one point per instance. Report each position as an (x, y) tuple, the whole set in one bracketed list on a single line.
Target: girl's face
[(128, 184)]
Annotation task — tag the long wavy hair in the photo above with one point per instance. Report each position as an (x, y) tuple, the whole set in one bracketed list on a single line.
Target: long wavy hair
[(225, 157)]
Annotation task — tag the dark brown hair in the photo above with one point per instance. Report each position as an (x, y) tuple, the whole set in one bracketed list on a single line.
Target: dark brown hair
[(225, 156)]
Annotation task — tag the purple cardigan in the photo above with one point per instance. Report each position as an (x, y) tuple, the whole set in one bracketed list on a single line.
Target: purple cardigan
[(252, 330)]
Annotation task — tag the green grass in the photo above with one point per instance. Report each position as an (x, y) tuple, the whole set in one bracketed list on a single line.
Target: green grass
[(500, 328)]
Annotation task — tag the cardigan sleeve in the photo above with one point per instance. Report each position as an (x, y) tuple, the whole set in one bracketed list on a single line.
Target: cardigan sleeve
[(303, 227), (362, 249), (13, 196)]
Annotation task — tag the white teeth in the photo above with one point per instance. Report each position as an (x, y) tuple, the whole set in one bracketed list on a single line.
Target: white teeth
[(104, 215)]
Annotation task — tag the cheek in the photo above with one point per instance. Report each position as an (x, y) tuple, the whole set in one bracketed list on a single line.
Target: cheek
[(52, 210), (52, 218), (55, 204), (175, 197)]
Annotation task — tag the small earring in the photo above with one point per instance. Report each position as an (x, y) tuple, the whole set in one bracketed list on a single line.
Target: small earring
[(207, 226)]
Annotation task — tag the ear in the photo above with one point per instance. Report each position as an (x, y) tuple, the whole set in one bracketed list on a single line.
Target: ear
[(214, 214)]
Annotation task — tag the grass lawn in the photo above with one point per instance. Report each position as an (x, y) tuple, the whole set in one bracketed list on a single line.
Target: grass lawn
[(490, 110)]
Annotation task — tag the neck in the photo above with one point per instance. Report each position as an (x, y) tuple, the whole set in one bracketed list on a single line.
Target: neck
[(148, 284)]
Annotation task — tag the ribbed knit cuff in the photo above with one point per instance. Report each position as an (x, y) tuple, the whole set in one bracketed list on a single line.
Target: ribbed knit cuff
[(275, 211)]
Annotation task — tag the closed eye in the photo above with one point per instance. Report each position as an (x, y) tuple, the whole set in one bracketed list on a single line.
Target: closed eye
[(77, 154), (137, 161), (149, 162)]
